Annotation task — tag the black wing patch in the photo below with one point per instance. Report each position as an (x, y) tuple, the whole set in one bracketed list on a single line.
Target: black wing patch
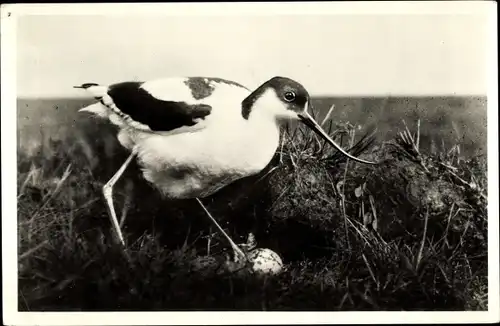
[(157, 114), (200, 86)]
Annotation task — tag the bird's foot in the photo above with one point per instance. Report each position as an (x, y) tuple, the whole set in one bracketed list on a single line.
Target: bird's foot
[(241, 254), (243, 249)]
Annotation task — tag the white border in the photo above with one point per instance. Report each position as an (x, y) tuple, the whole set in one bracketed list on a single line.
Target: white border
[(9, 202), (266, 9), (493, 206)]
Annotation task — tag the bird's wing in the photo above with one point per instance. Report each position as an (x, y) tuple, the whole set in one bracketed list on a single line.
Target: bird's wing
[(164, 104)]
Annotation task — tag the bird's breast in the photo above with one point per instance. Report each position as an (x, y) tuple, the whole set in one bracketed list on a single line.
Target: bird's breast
[(197, 164)]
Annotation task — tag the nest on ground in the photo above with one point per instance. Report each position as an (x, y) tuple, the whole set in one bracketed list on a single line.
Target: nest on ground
[(319, 200)]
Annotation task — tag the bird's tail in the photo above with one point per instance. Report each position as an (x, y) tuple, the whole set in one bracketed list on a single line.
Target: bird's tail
[(98, 92), (97, 108)]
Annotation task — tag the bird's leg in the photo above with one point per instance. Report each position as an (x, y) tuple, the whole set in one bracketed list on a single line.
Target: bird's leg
[(107, 191), (236, 249)]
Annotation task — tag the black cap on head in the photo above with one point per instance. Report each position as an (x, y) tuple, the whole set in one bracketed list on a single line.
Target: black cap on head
[(290, 92), (293, 95)]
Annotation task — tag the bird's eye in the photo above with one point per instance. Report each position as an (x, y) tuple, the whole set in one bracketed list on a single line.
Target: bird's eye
[(289, 96)]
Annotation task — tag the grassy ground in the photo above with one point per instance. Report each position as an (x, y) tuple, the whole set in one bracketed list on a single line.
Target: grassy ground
[(407, 234)]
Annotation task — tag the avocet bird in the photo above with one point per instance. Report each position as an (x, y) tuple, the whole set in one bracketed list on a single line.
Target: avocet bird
[(193, 136)]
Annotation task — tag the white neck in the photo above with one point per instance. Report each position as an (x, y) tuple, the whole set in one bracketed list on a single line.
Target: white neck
[(268, 108), (261, 133)]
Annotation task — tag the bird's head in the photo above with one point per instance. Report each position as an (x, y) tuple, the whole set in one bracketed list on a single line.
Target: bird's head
[(282, 98)]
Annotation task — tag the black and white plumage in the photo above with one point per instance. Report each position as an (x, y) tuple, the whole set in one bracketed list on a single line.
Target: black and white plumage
[(193, 136)]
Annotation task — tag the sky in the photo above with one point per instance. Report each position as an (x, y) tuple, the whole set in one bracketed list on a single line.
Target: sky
[(329, 54)]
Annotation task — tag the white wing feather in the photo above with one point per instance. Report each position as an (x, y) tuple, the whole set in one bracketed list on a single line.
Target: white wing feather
[(97, 109)]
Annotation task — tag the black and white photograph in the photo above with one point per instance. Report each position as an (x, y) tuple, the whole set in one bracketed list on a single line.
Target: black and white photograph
[(286, 162)]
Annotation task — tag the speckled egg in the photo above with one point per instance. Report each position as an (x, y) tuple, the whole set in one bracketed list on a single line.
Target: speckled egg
[(265, 261)]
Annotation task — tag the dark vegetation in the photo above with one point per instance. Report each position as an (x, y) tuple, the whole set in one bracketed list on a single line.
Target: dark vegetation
[(407, 234)]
